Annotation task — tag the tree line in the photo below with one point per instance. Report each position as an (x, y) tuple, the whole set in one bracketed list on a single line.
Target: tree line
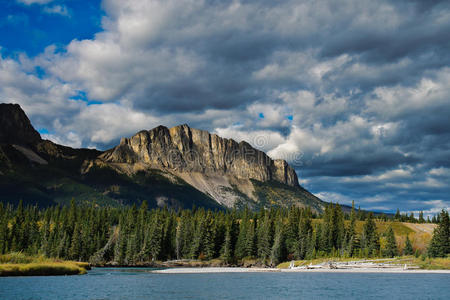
[(132, 235)]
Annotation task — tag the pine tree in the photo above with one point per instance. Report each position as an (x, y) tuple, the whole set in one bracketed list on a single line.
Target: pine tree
[(391, 245), (264, 237), (250, 244), (408, 250), (155, 239), (208, 245), (75, 246), (4, 231), (181, 227), (227, 250), (421, 219), (121, 243), (198, 236), (440, 242), (304, 235), (241, 250), (292, 230), (276, 253), (369, 238), (351, 233)]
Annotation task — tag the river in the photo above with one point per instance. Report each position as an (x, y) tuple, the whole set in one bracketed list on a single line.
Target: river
[(115, 283)]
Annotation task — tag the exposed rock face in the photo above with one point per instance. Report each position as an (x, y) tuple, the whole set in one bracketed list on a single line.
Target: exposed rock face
[(181, 167), (183, 149), (220, 168), (15, 127)]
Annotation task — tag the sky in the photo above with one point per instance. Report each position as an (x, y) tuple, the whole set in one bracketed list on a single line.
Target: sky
[(355, 94)]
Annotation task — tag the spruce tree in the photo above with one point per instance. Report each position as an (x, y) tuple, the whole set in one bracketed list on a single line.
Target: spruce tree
[(440, 242), (369, 238), (227, 250), (408, 250), (304, 235), (208, 245), (421, 219), (276, 254), (292, 230), (391, 244), (264, 237), (4, 233), (250, 244), (196, 247), (75, 246), (241, 249)]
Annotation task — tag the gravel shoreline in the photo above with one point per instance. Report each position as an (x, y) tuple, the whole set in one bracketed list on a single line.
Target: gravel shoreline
[(266, 270)]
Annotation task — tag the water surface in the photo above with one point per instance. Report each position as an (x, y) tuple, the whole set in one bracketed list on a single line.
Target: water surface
[(110, 283)]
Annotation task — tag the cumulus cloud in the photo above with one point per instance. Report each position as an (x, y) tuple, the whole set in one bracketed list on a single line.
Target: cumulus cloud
[(355, 94)]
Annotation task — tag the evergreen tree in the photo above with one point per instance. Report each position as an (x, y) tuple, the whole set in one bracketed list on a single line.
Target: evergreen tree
[(440, 242), (75, 246), (369, 238), (391, 244), (304, 235), (196, 247), (276, 254), (208, 245), (4, 234), (227, 248), (264, 237), (250, 244), (421, 219), (408, 250), (241, 249), (292, 231)]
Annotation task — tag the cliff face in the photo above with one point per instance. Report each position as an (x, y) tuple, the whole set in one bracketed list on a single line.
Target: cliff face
[(15, 127), (182, 149)]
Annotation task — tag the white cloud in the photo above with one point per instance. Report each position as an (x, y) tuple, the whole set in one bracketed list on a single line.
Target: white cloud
[(29, 2), (57, 10), (260, 139)]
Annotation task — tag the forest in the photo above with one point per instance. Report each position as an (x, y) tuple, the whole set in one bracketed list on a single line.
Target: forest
[(136, 235)]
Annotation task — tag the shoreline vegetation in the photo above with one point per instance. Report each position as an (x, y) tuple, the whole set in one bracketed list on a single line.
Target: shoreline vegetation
[(19, 264), (411, 262), (56, 238)]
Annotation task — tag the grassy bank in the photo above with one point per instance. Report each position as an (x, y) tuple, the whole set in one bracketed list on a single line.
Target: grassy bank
[(422, 263), (18, 264), (433, 263)]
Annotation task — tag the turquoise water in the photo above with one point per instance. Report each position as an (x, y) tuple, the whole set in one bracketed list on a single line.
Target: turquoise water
[(140, 284)]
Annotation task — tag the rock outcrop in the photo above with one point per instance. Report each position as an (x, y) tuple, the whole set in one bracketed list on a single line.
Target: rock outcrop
[(183, 149), (220, 168)]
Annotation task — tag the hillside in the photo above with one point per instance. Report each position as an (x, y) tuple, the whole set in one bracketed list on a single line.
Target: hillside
[(419, 234)]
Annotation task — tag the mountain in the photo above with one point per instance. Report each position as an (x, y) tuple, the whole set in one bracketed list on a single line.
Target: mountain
[(176, 167)]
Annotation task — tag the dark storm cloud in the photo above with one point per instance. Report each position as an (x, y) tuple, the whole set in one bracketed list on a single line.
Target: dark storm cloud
[(358, 89), (230, 42)]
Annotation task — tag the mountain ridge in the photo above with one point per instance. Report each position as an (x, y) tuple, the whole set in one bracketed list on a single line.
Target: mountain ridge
[(176, 167)]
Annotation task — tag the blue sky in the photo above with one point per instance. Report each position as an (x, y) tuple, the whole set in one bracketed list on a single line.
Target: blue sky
[(354, 94), (30, 28)]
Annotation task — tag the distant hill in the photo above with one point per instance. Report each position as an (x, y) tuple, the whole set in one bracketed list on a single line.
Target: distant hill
[(176, 167)]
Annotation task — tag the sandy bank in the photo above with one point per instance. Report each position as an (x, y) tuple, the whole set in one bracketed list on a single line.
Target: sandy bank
[(258, 270), (214, 270)]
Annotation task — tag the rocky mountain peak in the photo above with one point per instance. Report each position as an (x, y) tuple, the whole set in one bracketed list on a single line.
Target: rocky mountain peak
[(15, 127), (182, 149)]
